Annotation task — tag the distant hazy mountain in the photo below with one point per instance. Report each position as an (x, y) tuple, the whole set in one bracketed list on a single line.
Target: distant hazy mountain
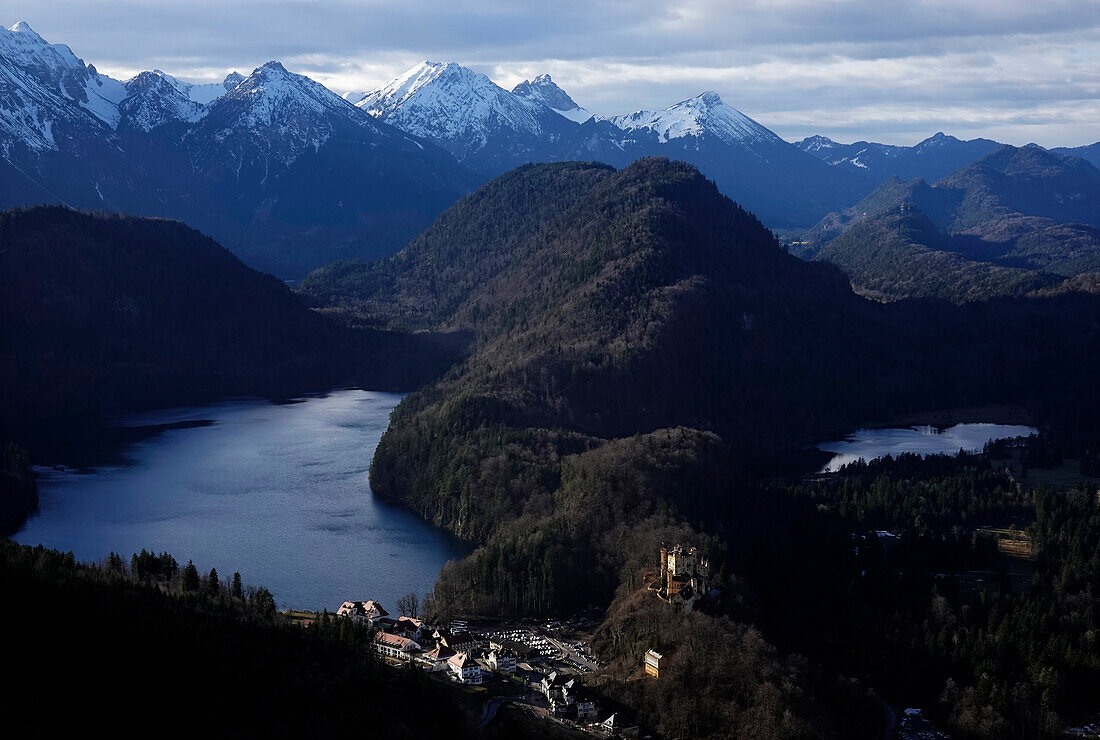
[(1016, 220), (285, 172), (1090, 153), (931, 159)]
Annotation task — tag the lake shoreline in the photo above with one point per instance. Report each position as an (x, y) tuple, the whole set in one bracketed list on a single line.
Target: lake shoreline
[(869, 443), (276, 490)]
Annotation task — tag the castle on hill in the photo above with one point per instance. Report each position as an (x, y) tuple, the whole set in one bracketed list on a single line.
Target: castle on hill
[(684, 576)]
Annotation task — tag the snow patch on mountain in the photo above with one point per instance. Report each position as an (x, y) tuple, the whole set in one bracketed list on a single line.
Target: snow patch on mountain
[(701, 116), (817, 143)]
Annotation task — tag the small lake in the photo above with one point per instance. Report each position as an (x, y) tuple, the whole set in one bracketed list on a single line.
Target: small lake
[(870, 444), (278, 492)]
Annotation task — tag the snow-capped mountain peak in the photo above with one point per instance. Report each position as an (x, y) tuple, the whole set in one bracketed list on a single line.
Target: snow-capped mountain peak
[(22, 44), (44, 85), (938, 139), (153, 99), (453, 105), (274, 95), (544, 90), (817, 143), (704, 115), (277, 112)]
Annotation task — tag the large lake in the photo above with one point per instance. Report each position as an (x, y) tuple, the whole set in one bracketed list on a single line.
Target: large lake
[(870, 444), (278, 492)]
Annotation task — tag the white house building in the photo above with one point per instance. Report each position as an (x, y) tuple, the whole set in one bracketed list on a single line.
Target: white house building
[(465, 668), (502, 661), (366, 612), (395, 646)]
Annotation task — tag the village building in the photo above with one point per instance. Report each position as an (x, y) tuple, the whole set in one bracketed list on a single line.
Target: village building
[(551, 683), (587, 707), (653, 663), (684, 576), (414, 629), (394, 646), (463, 642), (364, 612), (466, 669), (436, 658), (567, 697), (616, 726), (502, 661)]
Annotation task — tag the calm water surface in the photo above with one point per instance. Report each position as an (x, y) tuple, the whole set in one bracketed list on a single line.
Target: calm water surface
[(278, 492), (869, 444)]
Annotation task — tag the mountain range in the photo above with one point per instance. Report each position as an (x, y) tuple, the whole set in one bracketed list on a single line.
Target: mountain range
[(285, 172), (291, 176), (931, 159), (493, 130)]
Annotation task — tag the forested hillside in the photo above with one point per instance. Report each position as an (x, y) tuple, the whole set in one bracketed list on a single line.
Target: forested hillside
[(144, 642), (610, 304), (901, 254), (1015, 221), (105, 312)]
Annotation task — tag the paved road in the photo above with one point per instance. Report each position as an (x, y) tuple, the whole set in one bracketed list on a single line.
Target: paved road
[(571, 654)]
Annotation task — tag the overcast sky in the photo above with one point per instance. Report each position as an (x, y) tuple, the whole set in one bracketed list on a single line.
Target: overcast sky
[(1013, 70)]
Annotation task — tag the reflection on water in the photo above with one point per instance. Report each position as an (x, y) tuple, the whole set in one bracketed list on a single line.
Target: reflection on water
[(869, 444), (276, 491)]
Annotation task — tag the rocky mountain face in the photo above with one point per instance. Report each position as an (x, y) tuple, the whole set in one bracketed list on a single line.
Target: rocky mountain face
[(544, 90)]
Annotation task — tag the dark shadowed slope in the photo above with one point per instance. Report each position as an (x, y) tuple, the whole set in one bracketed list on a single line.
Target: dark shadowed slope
[(104, 312)]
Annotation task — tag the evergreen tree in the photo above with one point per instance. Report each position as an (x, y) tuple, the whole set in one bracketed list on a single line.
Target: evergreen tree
[(264, 602), (114, 562), (190, 577), (237, 589), (212, 581)]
